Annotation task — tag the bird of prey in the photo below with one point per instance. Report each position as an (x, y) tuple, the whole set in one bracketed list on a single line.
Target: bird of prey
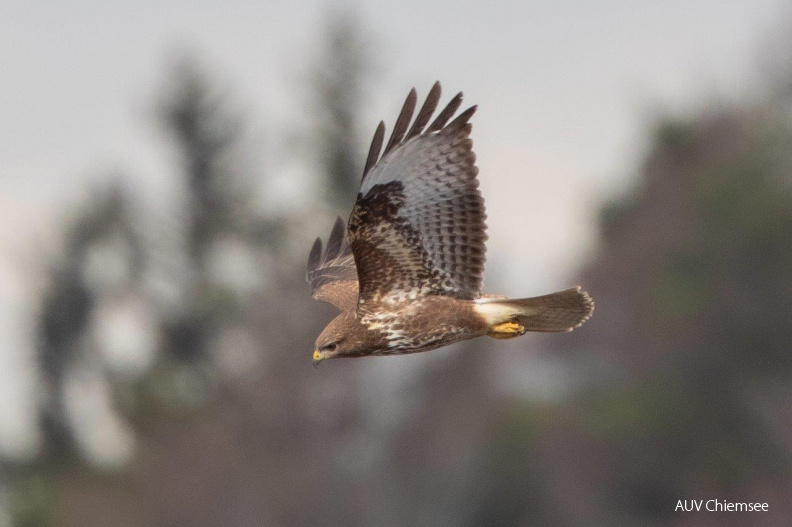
[(406, 273)]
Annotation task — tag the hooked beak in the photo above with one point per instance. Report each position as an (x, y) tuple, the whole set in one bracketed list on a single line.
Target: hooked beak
[(318, 357)]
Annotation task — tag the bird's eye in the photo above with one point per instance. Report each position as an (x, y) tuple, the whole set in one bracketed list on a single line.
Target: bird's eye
[(330, 347)]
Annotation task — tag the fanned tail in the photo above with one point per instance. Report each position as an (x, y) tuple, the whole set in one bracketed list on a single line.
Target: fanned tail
[(561, 311)]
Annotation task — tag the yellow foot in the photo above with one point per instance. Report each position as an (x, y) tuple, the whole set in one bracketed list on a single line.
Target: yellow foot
[(506, 330)]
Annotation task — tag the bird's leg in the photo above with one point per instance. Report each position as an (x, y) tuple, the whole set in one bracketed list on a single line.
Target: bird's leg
[(506, 330)]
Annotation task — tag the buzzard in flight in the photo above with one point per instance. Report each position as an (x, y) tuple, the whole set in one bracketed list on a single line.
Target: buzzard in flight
[(409, 277)]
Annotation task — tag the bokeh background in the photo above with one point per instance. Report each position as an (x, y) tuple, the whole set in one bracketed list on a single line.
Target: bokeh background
[(164, 168)]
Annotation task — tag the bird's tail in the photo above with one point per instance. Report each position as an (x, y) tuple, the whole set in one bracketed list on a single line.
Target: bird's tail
[(561, 311)]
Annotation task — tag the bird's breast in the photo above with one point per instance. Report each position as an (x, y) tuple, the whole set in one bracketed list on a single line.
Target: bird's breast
[(421, 325)]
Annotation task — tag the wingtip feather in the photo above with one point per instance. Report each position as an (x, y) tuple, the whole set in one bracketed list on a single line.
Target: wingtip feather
[(315, 256), (335, 241), (376, 147), (446, 114), (462, 119), (403, 121), (426, 111)]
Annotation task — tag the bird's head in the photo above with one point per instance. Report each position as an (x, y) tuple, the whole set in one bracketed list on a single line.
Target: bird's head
[(338, 339)]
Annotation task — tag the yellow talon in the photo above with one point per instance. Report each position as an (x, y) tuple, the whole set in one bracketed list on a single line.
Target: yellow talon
[(506, 330)]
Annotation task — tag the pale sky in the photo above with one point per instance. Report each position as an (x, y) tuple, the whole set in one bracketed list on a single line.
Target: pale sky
[(565, 90)]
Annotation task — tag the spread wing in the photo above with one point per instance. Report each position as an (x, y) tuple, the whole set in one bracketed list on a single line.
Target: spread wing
[(333, 276), (417, 227)]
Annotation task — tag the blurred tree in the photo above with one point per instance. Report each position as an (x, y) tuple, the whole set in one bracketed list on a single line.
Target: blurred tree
[(209, 139), (274, 430), (693, 282), (338, 81), (102, 252), (207, 134), (106, 262), (102, 261)]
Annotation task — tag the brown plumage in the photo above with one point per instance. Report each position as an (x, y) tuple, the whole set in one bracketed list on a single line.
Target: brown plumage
[(409, 277)]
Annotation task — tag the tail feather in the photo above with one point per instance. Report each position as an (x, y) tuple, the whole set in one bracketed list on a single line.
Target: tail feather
[(561, 311)]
